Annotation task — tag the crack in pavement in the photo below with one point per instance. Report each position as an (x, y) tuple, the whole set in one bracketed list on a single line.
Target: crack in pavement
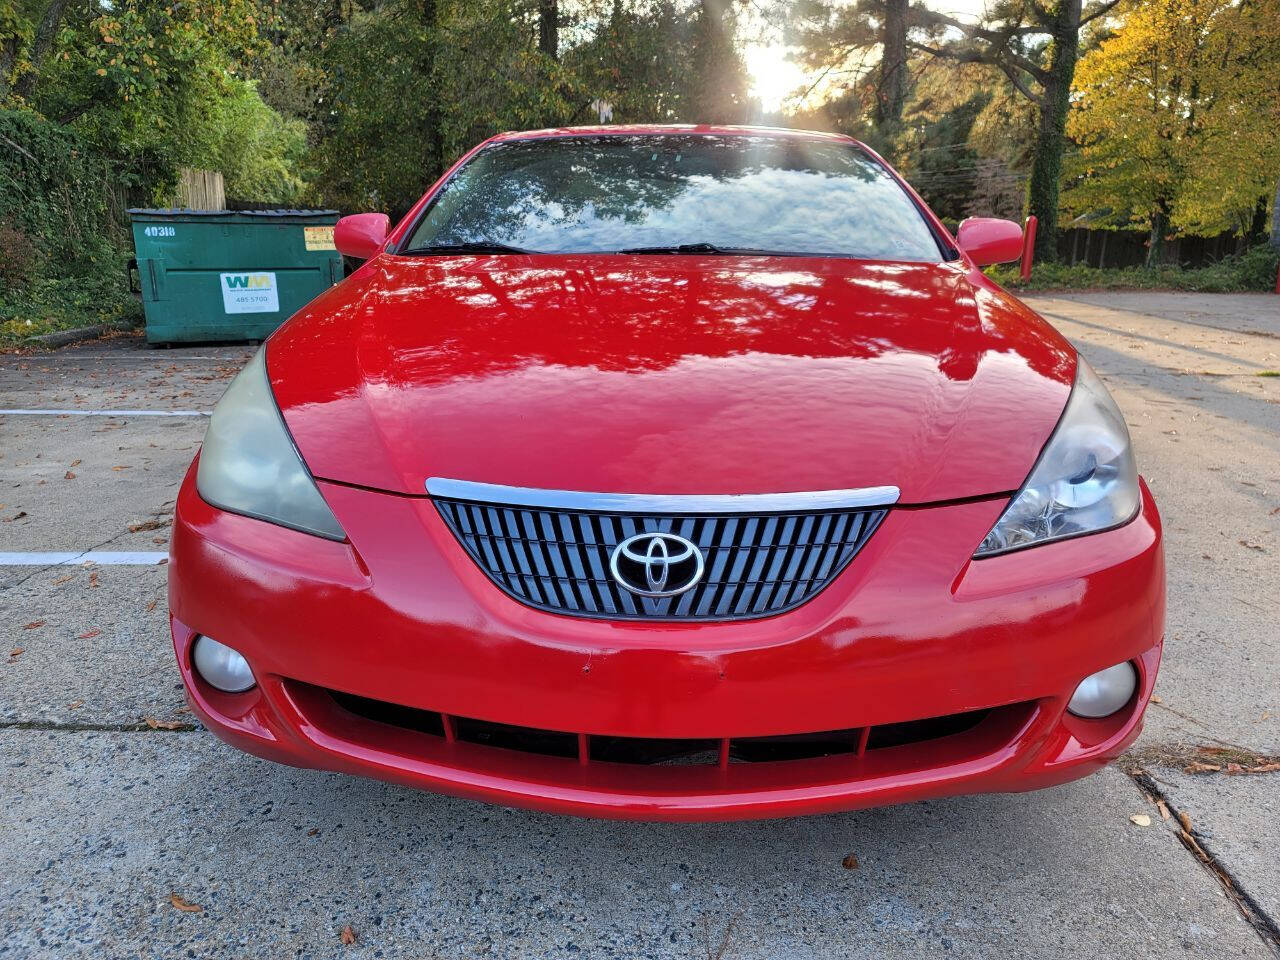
[(71, 562), (1246, 905), (91, 727), (1249, 908)]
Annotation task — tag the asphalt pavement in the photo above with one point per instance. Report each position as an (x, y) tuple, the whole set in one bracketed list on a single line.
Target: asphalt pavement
[(128, 831)]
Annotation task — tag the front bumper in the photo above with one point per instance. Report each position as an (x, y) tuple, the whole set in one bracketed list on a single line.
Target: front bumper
[(912, 629)]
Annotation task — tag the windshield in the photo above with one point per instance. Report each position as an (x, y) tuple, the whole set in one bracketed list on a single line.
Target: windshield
[(660, 193)]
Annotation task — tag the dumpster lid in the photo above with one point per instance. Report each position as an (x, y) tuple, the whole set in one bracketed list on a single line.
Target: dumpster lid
[(183, 212)]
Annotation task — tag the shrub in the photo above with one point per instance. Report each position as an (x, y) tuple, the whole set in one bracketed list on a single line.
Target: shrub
[(56, 190), (1253, 270), (20, 256)]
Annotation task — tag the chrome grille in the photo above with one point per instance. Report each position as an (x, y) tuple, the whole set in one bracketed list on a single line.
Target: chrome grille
[(757, 564)]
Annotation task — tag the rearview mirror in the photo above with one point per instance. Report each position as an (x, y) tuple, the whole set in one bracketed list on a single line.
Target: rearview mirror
[(987, 240), (361, 235)]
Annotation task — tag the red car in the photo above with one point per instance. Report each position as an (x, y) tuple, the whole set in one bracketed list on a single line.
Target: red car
[(671, 473)]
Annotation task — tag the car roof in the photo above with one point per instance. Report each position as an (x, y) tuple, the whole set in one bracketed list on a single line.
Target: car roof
[(669, 129)]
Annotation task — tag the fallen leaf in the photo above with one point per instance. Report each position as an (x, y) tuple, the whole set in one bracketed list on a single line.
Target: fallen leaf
[(68, 475), (1185, 821), (148, 525), (76, 704), (1156, 699), (1164, 810), (1253, 546), (155, 724), (347, 936), (313, 831), (186, 906), (1140, 820), (17, 516), (120, 467), (33, 624), (93, 580), (850, 862), (74, 463), (1195, 766), (90, 635), (61, 580), (152, 605), (15, 653), (1234, 768), (1265, 768)]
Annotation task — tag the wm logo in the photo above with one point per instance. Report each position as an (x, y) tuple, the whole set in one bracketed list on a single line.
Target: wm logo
[(247, 281)]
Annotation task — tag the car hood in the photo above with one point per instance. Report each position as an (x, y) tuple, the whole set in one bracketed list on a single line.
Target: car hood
[(678, 375)]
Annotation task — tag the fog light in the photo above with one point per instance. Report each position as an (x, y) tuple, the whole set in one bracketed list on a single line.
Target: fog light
[(222, 667), (1105, 692)]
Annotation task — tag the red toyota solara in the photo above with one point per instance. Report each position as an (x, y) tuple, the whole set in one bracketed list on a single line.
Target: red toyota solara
[(673, 473)]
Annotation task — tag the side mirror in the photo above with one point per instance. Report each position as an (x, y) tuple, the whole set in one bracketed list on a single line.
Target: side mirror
[(361, 235), (987, 240)]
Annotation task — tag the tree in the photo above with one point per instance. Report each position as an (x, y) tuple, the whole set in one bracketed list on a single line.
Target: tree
[(549, 28), (27, 34), (936, 154), (637, 60), (1035, 43), (1177, 114), (839, 39), (409, 86), (719, 83)]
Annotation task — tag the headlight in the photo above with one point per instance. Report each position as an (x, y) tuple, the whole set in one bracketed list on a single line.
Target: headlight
[(1084, 481), (249, 465)]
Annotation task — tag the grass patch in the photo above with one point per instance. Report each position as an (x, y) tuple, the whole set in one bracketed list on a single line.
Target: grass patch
[(46, 304), (1252, 271)]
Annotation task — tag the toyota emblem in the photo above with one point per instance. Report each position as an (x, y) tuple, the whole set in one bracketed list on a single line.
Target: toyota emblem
[(656, 564)]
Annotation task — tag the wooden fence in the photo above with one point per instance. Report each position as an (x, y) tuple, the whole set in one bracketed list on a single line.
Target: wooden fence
[(1128, 248), (201, 190)]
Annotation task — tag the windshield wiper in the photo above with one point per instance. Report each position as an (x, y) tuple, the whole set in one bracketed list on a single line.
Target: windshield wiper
[(477, 247), (709, 248)]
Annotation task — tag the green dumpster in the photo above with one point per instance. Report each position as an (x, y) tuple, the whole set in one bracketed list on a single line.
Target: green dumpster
[(230, 274)]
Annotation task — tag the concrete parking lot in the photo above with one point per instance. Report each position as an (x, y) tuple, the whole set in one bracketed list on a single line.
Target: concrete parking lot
[(127, 831)]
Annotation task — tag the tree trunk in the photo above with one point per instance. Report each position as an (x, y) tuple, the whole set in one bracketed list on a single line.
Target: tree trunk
[(45, 34), (8, 58), (1257, 232), (433, 116), (892, 86), (717, 85), (1046, 166), (1159, 227), (549, 28), (1275, 220)]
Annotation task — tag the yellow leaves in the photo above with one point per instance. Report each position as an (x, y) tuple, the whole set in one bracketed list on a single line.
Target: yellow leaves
[(1177, 90)]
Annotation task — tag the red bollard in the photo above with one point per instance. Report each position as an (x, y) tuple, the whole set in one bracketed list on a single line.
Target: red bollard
[(1029, 247)]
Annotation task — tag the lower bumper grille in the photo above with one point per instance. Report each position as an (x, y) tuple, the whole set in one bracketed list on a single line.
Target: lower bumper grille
[(588, 749)]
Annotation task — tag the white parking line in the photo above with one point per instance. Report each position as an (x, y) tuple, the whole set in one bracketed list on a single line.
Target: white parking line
[(104, 413), (106, 558)]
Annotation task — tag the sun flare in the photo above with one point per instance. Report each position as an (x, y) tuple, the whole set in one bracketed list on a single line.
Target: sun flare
[(773, 77)]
